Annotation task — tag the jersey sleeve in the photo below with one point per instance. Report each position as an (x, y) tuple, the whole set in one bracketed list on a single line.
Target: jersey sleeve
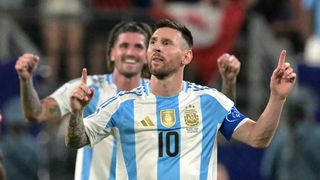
[(99, 124), (231, 122), (62, 95)]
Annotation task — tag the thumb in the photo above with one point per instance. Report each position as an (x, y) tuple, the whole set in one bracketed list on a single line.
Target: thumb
[(92, 93)]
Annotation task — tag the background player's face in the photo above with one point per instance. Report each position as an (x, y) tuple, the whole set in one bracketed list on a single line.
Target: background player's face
[(129, 53), (165, 52)]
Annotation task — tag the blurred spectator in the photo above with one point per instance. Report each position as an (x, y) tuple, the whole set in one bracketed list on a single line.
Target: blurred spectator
[(312, 53), (293, 154), (216, 24), (61, 160), (287, 21), (22, 158), (63, 28)]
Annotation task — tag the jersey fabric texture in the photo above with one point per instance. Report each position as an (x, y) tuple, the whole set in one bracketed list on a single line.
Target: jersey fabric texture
[(98, 162), (165, 137)]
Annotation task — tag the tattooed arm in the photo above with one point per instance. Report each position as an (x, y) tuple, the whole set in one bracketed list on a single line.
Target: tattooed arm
[(229, 68), (75, 136), (34, 109)]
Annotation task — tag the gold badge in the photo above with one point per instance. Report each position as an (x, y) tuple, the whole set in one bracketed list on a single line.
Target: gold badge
[(191, 116), (168, 118)]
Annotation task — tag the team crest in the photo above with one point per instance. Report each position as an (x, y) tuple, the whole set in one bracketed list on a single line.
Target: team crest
[(191, 116), (168, 117)]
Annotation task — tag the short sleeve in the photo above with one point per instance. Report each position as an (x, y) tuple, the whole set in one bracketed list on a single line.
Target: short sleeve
[(62, 96)]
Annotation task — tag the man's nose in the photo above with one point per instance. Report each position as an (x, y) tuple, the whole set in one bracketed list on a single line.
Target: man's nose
[(156, 47), (130, 51)]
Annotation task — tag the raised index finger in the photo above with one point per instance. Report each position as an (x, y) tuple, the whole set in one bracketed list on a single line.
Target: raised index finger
[(282, 58), (84, 76)]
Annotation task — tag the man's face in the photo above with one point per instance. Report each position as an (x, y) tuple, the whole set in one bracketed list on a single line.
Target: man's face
[(165, 52), (129, 53)]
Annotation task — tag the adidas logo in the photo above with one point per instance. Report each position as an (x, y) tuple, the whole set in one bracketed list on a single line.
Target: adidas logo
[(147, 122)]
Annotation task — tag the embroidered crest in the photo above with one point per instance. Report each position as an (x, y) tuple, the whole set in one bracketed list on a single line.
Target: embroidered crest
[(191, 116), (168, 117)]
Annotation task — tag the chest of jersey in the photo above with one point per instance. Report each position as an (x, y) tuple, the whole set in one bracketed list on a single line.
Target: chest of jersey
[(164, 135)]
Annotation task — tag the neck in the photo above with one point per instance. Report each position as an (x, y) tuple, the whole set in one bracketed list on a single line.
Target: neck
[(170, 86), (124, 83)]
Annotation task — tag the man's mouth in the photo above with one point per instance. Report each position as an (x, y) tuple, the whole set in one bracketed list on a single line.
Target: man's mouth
[(130, 61), (157, 57)]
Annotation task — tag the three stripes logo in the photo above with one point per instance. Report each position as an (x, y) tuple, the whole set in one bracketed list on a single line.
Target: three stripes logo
[(147, 122)]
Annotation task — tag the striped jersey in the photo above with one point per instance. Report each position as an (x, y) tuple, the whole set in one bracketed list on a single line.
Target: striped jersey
[(96, 162), (165, 137)]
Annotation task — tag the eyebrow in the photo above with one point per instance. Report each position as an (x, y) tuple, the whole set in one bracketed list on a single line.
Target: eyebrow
[(153, 38)]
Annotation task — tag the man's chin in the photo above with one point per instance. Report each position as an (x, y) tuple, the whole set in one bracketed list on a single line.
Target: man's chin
[(159, 75), (130, 74)]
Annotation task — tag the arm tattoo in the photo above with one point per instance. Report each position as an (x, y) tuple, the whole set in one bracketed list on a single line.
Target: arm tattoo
[(30, 101), (229, 89), (75, 136), (36, 110)]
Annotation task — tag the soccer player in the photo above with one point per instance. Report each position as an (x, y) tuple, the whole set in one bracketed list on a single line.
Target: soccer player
[(167, 129), (126, 55)]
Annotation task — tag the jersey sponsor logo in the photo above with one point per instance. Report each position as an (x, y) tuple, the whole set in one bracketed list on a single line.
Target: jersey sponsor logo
[(191, 116), (168, 118), (147, 122)]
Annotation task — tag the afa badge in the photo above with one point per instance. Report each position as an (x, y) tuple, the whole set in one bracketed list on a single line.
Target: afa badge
[(191, 116), (168, 118)]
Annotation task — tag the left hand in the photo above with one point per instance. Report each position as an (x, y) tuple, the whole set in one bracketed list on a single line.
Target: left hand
[(229, 67), (283, 78), (81, 95)]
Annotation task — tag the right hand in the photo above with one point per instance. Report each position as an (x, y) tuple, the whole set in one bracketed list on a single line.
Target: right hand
[(81, 95), (229, 67), (25, 66)]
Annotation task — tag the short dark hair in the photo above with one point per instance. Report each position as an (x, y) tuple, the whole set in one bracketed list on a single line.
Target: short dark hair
[(123, 27), (186, 34)]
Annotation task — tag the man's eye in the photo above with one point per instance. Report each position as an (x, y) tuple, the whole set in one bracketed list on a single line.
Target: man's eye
[(124, 45), (165, 42)]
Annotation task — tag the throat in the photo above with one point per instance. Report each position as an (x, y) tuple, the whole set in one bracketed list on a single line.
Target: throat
[(165, 88), (124, 83)]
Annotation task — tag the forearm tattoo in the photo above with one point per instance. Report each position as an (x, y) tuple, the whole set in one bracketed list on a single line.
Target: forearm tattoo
[(229, 90), (31, 101), (76, 136)]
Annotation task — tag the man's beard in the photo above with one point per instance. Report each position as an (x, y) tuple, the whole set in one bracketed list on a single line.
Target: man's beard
[(129, 74), (162, 73)]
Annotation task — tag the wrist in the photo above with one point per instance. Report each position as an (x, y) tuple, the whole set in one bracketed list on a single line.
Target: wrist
[(278, 98), (229, 82), (25, 80)]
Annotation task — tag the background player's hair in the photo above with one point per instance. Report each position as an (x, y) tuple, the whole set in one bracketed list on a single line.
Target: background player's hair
[(123, 27)]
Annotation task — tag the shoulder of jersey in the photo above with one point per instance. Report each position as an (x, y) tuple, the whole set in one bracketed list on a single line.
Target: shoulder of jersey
[(139, 91), (100, 78), (196, 87)]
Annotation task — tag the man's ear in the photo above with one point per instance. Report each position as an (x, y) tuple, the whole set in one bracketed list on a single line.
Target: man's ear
[(112, 55), (188, 55)]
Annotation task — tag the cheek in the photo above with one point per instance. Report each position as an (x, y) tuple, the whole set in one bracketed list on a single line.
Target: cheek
[(113, 55), (143, 56)]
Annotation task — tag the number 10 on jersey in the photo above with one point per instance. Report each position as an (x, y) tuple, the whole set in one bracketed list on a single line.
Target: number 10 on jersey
[(168, 143)]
